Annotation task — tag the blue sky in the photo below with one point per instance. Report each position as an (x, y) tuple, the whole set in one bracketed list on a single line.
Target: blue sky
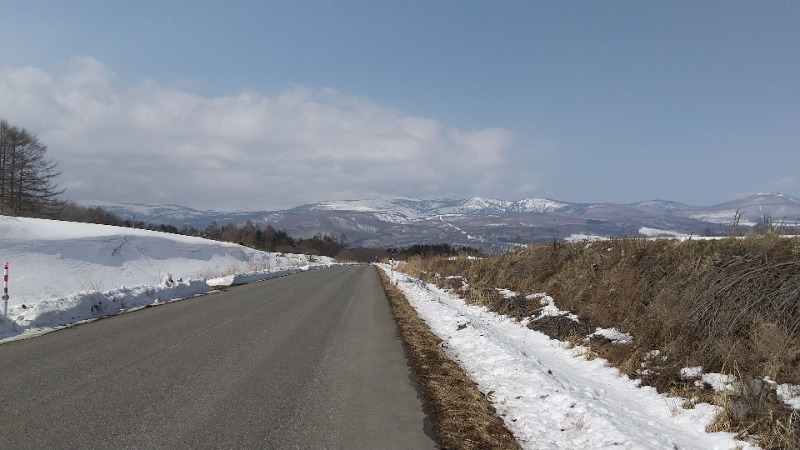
[(265, 105)]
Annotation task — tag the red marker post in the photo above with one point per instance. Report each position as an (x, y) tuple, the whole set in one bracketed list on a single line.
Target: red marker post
[(5, 291)]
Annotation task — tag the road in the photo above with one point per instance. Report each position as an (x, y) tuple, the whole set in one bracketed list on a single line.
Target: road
[(306, 361)]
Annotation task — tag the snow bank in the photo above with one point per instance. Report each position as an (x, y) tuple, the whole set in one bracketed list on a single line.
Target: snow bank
[(58, 312), (53, 259), (253, 277), (64, 272), (548, 395)]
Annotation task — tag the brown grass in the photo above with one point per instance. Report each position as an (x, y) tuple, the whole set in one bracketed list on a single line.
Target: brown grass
[(721, 304), (462, 417)]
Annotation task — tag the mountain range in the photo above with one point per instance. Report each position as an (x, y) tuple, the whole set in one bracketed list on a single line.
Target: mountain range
[(490, 224)]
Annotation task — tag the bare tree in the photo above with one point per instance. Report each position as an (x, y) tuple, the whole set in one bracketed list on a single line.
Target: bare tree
[(213, 231), (27, 178), (248, 234)]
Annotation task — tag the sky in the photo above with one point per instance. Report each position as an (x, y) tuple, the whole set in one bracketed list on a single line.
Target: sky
[(263, 105)]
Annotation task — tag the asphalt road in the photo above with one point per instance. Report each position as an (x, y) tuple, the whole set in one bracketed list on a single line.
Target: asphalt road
[(306, 361)]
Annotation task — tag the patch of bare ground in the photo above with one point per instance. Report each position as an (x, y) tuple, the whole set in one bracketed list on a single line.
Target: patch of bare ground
[(461, 416), (731, 306)]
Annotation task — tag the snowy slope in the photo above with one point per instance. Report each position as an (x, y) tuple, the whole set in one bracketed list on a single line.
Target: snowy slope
[(62, 272)]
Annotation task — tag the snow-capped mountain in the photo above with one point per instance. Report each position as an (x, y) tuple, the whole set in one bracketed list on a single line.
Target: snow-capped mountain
[(418, 209), (780, 208), (167, 214), (487, 223)]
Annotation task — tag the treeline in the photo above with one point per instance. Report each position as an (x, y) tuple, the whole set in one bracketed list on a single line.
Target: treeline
[(249, 234), (426, 250), (269, 239)]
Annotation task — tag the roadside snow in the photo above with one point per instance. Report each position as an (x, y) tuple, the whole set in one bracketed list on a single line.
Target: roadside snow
[(578, 237), (549, 307), (63, 272), (53, 259), (613, 335), (790, 394), (507, 293), (252, 277), (549, 396), (46, 315)]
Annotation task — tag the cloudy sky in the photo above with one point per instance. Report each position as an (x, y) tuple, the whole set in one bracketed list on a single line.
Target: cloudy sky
[(272, 104)]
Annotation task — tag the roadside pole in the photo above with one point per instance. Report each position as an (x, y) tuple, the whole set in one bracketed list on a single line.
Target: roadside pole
[(5, 291)]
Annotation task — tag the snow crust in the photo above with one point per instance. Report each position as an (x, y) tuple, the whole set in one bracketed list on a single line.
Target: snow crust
[(552, 397)]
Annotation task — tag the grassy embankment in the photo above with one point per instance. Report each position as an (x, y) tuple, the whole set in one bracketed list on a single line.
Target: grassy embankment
[(731, 306)]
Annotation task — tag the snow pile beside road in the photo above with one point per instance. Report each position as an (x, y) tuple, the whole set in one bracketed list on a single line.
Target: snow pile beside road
[(252, 277), (53, 259), (553, 397), (58, 312), (65, 272)]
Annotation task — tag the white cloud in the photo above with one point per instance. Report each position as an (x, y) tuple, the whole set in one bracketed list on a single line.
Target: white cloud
[(157, 143)]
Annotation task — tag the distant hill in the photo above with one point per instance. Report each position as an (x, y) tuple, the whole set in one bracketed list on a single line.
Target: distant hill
[(491, 224)]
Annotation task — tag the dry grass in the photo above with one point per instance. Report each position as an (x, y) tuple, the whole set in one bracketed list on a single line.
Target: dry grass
[(718, 304), (462, 417)]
